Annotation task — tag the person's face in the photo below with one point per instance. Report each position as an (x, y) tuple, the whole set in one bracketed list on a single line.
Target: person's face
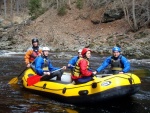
[(45, 53), (116, 53), (35, 44), (88, 54), (79, 54)]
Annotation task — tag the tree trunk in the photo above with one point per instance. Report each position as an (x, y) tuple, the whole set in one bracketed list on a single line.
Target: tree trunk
[(17, 6), (11, 11), (57, 4), (134, 16), (11, 8), (5, 9), (126, 13)]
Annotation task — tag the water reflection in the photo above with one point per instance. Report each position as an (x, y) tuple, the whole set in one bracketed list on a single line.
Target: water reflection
[(14, 99)]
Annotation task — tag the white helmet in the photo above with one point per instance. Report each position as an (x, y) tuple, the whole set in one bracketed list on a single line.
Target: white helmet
[(45, 49), (80, 50)]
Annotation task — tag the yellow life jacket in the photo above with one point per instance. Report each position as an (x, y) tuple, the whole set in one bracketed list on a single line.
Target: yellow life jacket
[(76, 71), (45, 66)]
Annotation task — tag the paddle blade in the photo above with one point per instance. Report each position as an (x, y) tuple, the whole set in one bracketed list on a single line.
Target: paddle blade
[(33, 80), (13, 81)]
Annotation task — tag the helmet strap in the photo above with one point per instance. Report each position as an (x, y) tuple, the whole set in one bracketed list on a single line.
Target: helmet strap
[(43, 55), (84, 56), (35, 48)]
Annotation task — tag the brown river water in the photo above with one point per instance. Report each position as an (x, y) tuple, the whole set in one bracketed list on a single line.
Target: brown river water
[(14, 99)]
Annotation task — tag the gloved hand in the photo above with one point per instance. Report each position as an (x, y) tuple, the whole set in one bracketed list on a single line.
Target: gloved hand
[(47, 73), (94, 75), (28, 65)]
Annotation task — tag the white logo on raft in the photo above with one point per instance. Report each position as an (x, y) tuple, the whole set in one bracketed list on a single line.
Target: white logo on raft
[(106, 83)]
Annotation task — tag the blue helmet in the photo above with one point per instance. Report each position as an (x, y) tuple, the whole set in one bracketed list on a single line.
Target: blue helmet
[(116, 49)]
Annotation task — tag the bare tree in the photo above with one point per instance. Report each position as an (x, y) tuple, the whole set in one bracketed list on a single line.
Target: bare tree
[(126, 13), (11, 8), (17, 6), (134, 16), (69, 3), (57, 1), (5, 9), (1, 3), (147, 6)]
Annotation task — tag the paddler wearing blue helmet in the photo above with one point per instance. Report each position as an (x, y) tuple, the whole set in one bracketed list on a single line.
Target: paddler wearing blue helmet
[(119, 63), (72, 61)]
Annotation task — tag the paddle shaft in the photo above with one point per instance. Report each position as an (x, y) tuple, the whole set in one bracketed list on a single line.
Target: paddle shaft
[(57, 70), (72, 65), (25, 69), (54, 71), (15, 80), (21, 72)]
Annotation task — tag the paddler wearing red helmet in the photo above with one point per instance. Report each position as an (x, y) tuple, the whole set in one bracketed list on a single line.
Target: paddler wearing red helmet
[(81, 72)]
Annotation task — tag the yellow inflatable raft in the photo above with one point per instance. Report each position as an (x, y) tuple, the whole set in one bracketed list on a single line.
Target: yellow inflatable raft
[(101, 88)]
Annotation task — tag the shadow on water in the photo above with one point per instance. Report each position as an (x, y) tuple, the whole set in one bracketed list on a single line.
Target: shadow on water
[(124, 105), (28, 102), (14, 99)]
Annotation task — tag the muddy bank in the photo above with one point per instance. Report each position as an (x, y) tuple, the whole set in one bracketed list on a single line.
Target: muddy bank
[(132, 46), (72, 32)]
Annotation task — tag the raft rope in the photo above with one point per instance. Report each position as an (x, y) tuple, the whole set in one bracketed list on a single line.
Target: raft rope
[(130, 77), (83, 85)]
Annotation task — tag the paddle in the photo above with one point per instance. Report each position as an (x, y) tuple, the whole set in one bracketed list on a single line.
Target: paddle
[(36, 78), (15, 79), (33, 80)]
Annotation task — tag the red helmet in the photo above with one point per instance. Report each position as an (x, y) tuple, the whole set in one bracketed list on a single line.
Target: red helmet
[(85, 50)]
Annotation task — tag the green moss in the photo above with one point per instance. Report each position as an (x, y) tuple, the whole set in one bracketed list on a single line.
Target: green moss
[(35, 8), (79, 4), (62, 11)]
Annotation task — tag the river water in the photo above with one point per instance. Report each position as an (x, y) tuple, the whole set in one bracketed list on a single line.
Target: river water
[(14, 99)]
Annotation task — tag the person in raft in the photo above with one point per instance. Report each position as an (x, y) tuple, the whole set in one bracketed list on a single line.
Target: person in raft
[(43, 66), (119, 63), (81, 74), (32, 53), (72, 62)]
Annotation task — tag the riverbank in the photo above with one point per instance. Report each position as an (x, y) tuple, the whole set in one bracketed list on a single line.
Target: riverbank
[(76, 30)]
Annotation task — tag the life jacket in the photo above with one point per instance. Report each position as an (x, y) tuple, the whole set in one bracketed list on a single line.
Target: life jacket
[(76, 71), (116, 64), (45, 65), (34, 54)]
